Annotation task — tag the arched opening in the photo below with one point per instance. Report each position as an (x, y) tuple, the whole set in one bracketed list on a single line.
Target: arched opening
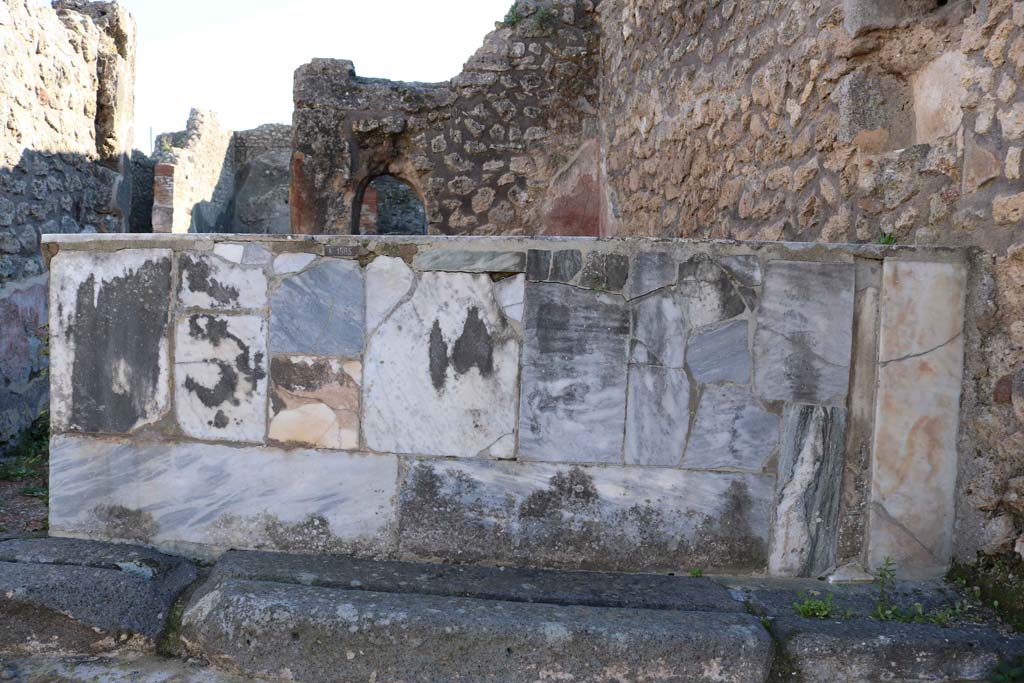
[(387, 205)]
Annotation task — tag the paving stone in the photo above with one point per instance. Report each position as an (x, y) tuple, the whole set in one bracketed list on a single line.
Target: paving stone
[(448, 259), (565, 264), (868, 650), (573, 405), (119, 669), (608, 272), (512, 584), (810, 477), (659, 329), (574, 517), (388, 281), (651, 270), (913, 487), (804, 334), (208, 281), (720, 355), (732, 430), (304, 320), (206, 498), (326, 634), (441, 372), (110, 365), (64, 595), (220, 376), (657, 415), (315, 401)]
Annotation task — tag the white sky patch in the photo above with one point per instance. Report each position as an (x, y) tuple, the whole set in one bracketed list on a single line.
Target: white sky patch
[(237, 58)]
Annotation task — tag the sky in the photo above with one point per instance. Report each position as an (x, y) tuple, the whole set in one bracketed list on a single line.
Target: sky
[(237, 58)]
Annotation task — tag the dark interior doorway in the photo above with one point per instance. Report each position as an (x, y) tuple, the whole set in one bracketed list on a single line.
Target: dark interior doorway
[(389, 206)]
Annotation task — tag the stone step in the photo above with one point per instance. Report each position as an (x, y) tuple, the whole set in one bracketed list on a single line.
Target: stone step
[(322, 618)]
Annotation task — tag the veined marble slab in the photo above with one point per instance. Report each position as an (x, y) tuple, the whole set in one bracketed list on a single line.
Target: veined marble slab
[(804, 334), (388, 281), (914, 469), (319, 311), (721, 354), (210, 281), (448, 259), (109, 348), (441, 372), (573, 406), (209, 498), (625, 518), (315, 401), (732, 431), (220, 377), (657, 415)]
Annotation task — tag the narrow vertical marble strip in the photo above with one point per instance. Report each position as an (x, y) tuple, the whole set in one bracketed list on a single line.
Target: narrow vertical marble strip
[(861, 405), (914, 467), (810, 469)]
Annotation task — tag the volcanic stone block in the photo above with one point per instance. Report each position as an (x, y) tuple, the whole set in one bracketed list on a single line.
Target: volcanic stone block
[(721, 355), (446, 258), (220, 375), (315, 401), (573, 517), (659, 329), (913, 483), (573, 405), (209, 281), (64, 595), (209, 497), (110, 364), (327, 634), (732, 430), (804, 333), (319, 311), (441, 372), (657, 415), (810, 473)]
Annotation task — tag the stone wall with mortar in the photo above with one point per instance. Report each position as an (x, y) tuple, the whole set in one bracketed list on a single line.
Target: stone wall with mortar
[(618, 404), (507, 146), (841, 121), (208, 178), (66, 106)]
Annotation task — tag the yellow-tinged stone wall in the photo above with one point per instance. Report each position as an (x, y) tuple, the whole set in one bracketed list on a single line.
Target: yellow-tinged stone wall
[(842, 120)]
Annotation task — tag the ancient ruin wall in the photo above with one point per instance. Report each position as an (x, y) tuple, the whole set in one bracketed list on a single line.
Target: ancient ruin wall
[(617, 404), (66, 77), (841, 121), (194, 176), (262, 162), (507, 146)]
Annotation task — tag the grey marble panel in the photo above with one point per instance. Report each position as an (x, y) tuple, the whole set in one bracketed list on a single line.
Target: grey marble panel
[(614, 518), (605, 271), (657, 415), (721, 355), (732, 431), (319, 311), (711, 295), (470, 261), (804, 332), (565, 264), (206, 498), (810, 474), (651, 270), (744, 269), (573, 404), (659, 329)]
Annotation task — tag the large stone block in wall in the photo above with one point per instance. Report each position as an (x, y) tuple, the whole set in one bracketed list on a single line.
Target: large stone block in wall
[(319, 311), (441, 368), (573, 405), (204, 497), (109, 315), (577, 517), (920, 364), (804, 334), (220, 376)]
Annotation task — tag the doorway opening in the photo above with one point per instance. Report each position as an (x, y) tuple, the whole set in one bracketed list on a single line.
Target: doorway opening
[(387, 205)]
